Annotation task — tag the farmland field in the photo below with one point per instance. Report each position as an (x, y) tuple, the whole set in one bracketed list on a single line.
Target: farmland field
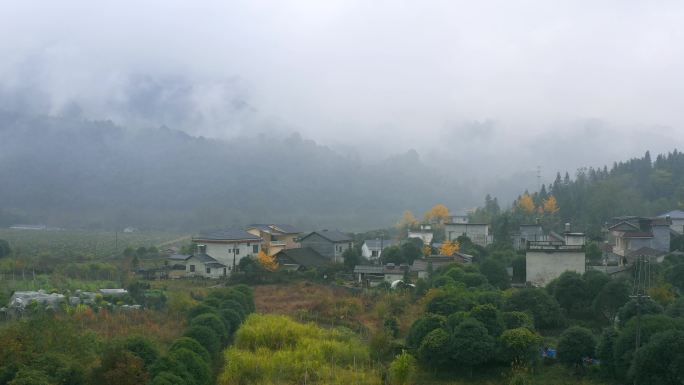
[(79, 244)]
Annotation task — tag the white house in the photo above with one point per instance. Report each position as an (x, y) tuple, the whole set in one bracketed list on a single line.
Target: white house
[(477, 232), (203, 265), (228, 247), (547, 260), (372, 248)]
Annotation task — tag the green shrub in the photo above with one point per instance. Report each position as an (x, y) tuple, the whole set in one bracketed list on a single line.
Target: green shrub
[(422, 326), (206, 337), (195, 365), (193, 345), (213, 322)]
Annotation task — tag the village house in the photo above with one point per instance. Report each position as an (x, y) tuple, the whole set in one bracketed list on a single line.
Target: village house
[(458, 218), (423, 267), (329, 243), (196, 265), (631, 233), (547, 260), (276, 237), (424, 234), (373, 275), (478, 233), (676, 218), (228, 247), (203, 265), (303, 258), (532, 232), (372, 248)]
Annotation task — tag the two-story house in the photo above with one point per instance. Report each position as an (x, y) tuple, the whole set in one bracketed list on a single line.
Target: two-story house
[(276, 237), (228, 246), (329, 243), (547, 260), (631, 233), (477, 232)]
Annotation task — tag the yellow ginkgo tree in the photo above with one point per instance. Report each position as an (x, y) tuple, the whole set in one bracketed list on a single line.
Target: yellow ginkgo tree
[(550, 205), (269, 262), (525, 203), (438, 213), (449, 248)]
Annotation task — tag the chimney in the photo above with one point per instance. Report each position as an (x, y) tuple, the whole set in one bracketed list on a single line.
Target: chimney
[(567, 227), (537, 221)]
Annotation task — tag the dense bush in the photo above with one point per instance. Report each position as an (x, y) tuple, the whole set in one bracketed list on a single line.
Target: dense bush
[(422, 326), (193, 345), (195, 365), (575, 344), (213, 322), (519, 346), (660, 361), (543, 308)]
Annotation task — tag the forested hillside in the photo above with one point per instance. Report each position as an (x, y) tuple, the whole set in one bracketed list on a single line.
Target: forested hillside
[(74, 173), (639, 186)]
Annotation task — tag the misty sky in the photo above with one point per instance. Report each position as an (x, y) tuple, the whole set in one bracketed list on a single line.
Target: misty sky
[(481, 89)]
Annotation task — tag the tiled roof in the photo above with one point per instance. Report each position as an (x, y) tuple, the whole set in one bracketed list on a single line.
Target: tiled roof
[(674, 214), (331, 235), (304, 256), (179, 257), (227, 235), (368, 269), (206, 259)]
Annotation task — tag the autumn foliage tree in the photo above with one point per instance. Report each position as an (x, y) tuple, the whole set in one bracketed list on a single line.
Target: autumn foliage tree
[(449, 248), (407, 222), (269, 262), (525, 203), (550, 205), (438, 213)]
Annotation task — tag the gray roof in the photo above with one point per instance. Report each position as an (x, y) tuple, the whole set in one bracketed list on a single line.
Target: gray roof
[(377, 243), (368, 269), (331, 235), (227, 235), (304, 256), (281, 227), (179, 257), (206, 259), (674, 214)]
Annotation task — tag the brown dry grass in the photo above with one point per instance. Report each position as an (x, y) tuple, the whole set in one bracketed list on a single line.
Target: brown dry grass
[(161, 327), (336, 306)]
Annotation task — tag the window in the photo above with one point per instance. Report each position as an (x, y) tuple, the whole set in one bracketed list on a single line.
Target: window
[(255, 249), (224, 271), (208, 270), (374, 253), (237, 251), (192, 268)]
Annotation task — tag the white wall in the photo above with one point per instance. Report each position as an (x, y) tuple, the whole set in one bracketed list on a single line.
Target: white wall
[(223, 252), (542, 266), (478, 233)]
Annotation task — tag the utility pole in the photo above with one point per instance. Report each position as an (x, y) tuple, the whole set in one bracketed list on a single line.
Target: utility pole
[(642, 280)]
